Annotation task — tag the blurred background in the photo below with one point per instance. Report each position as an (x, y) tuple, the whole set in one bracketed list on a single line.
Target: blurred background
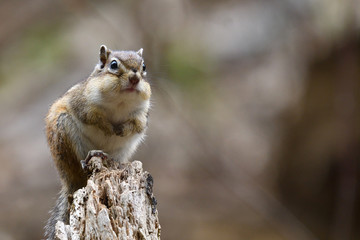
[(254, 131)]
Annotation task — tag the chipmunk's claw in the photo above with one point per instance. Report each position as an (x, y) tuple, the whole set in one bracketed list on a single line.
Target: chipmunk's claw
[(93, 153)]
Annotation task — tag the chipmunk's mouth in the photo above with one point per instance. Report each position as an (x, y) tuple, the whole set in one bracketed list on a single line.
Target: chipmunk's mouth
[(131, 89)]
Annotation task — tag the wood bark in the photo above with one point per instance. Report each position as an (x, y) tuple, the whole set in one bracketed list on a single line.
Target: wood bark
[(117, 203)]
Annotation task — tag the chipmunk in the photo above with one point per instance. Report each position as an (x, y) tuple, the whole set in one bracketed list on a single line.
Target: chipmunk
[(108, 112)]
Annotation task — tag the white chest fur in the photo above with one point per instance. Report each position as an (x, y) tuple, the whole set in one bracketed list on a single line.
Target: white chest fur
[(120, 148), (117, 109)]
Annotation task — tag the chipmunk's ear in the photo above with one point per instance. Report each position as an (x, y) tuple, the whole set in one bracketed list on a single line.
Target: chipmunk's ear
[(104, 54), (140, 52)]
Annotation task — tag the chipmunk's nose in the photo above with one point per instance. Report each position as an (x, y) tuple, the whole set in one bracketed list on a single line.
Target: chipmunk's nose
[(134, 79)]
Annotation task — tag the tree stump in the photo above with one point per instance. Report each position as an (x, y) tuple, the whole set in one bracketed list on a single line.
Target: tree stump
[(117, 203)]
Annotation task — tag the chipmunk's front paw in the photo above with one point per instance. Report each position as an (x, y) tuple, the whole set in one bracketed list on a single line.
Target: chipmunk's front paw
[(139, 125), (93, 153), (119, 130)]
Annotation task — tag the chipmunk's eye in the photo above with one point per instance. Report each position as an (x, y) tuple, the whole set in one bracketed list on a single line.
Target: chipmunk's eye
[(114, 65), (144, 67)]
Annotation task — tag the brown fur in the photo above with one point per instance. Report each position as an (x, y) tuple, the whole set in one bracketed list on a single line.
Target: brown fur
[(58, 133)]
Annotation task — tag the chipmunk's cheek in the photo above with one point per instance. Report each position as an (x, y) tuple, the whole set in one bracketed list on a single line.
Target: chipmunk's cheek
[(111, 84), (145, 91)]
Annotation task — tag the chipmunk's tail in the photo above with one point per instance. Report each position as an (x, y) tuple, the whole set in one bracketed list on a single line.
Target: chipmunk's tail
[(59, 213)]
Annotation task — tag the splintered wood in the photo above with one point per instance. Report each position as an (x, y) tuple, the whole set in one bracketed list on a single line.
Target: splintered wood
[(115, 204)]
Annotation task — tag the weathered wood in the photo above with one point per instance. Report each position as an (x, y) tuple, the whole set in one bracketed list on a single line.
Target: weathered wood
[(117, 203)]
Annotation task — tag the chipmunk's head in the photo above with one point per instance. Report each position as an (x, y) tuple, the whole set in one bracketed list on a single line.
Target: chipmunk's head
[(122, 72)]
